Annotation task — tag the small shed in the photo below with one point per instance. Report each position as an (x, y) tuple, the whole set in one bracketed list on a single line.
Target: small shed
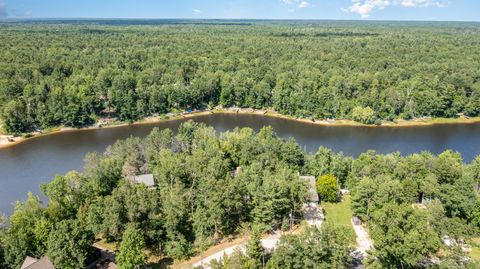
[(312, 188), (147, 180), (32, 263)]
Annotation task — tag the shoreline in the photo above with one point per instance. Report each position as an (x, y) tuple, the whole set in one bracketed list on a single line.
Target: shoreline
[(7, 141)]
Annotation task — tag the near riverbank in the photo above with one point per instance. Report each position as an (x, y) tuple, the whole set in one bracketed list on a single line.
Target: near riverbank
[(9, 141)]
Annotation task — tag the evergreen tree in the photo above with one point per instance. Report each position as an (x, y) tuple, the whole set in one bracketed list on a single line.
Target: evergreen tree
[(255, 249)]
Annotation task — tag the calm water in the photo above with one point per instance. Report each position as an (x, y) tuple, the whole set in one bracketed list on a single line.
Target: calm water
[(25, 166)]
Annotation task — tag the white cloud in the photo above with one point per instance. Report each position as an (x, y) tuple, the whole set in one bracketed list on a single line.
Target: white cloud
[(365, 7), (197, 11), (422, 3), (299, 4), (304, 4)]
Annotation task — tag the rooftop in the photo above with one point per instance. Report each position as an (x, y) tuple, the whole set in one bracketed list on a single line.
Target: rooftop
[(32, 263), (144, 179)]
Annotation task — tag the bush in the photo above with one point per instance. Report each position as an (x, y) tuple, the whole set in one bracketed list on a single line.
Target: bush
[(327, 188)]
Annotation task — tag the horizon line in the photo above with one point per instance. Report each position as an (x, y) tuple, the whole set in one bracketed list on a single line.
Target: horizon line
[(226, 19)]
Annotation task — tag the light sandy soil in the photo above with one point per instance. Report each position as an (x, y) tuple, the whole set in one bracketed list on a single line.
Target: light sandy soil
[(313, 216), (268, 243), (8, 141), (217, 248)]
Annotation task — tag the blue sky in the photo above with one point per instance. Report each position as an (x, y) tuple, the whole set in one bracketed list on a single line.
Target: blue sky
[(447, 10)]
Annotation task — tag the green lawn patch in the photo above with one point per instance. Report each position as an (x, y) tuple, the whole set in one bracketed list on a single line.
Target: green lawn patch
[(340, 214), (475, 253)]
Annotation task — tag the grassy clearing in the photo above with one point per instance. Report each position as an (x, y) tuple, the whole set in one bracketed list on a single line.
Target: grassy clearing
[(340, 214), (102, 242), (475, 253)]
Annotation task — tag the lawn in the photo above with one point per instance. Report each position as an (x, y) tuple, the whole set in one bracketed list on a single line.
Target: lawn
[(340, 214), (475, 253)]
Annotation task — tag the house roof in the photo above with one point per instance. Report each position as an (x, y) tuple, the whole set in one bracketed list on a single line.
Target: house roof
[(144, 179), (28, 261), (312, 188), (32, 263)]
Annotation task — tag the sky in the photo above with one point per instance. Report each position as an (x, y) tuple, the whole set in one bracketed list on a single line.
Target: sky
[(431, 10)]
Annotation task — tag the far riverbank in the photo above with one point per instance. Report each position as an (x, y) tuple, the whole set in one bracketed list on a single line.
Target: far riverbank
[(10, 141)]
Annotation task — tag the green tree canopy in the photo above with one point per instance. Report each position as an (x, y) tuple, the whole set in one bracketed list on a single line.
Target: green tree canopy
[(70, 244), (325, 248), (131, 253)]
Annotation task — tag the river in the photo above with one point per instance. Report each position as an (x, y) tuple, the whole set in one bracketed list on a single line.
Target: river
[(23, 167)]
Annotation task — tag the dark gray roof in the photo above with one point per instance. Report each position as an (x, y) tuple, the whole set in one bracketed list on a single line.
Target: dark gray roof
[(42, 263), (144, 179), (312, 188)]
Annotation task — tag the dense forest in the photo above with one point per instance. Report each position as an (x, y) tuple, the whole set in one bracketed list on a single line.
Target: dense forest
[(74, 72), (211, 186)]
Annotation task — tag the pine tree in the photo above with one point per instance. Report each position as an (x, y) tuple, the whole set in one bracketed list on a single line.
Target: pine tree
[(255, 249)]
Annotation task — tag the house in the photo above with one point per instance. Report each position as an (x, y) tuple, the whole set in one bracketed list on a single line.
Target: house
[(147, 180), (32, 263), (312, 188)]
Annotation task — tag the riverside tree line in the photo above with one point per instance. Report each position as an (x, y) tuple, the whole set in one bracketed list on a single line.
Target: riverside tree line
[(211, 186), (72, 73)]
